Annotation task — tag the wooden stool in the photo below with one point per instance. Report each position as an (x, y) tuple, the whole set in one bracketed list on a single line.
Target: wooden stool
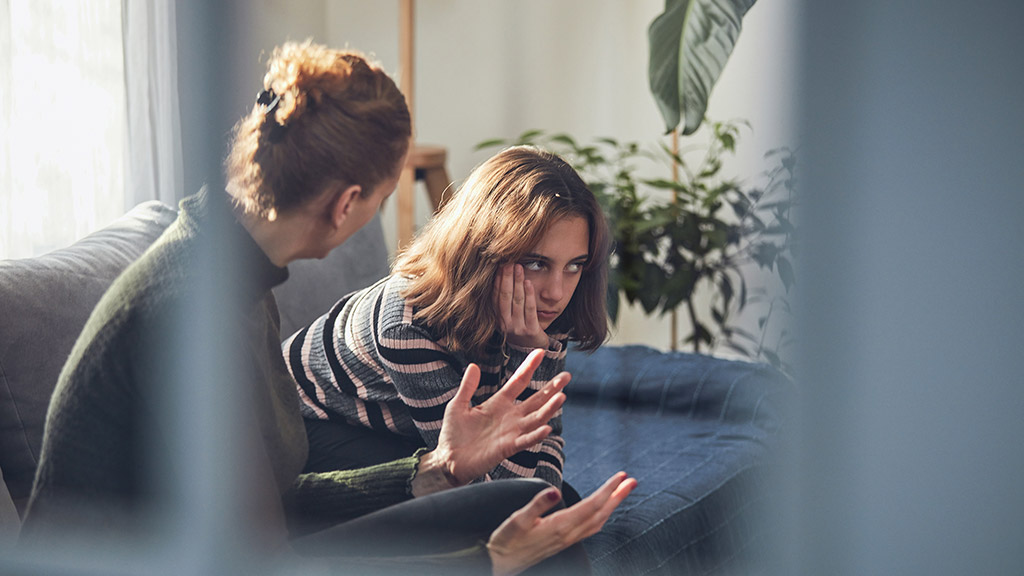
[(429, 164), (426, 163)]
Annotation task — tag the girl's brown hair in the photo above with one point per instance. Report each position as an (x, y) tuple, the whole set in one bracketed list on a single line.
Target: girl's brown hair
[(337, 118), (498, 215)]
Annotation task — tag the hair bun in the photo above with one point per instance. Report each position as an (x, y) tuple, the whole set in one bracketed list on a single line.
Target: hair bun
[(324, 117), (301, 74)]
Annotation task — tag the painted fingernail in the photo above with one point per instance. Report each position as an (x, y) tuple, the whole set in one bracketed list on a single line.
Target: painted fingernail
[(552, 495)]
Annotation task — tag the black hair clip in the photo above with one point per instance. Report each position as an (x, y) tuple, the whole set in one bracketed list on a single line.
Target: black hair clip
[(268, 99)]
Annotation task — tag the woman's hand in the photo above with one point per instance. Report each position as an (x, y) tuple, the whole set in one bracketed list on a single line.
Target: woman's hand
[(474, 439), (526, 538), (517, 308)]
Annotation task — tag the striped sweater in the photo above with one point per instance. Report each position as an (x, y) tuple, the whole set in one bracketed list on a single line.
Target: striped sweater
[(368, 362)]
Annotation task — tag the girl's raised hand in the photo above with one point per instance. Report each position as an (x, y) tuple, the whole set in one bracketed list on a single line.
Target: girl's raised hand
[(517, 308)]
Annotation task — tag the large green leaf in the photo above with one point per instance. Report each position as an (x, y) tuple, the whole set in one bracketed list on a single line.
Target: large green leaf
[(689, 44)]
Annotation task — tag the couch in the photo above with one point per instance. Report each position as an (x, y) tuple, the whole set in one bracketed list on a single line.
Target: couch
[(699, 433)]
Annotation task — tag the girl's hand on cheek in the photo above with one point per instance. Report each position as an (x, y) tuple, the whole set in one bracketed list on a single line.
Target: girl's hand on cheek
[(517, 308)]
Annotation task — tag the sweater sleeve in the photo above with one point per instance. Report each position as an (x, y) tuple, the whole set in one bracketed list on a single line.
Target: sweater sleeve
[(332, 497), (427, 376), (550, 366)]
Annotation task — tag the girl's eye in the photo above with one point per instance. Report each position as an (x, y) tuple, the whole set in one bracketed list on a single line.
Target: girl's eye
[(532, 265), (574, 268)]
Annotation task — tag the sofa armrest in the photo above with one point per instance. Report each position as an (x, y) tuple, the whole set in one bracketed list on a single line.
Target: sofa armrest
[(699, 386), (44, 302)]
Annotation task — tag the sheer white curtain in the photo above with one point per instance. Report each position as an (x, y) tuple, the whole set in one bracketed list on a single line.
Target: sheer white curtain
[(154, 127), (88, 117)]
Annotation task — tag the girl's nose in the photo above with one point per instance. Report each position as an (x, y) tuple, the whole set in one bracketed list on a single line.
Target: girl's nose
[(551, 290)]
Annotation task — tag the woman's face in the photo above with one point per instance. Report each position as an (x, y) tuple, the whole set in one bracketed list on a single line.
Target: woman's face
[(363, 207), (555, 264), (369, 205)]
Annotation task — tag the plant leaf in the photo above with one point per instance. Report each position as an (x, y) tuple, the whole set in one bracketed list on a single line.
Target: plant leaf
[(612, 301), (786, 272), (529, 136), (717, 316), (690, 43), (664, 184), (564, 139), (773, 358), (490, 143), (678, 287), (745, 334), (739, 348), (651, 295), (700, 334)]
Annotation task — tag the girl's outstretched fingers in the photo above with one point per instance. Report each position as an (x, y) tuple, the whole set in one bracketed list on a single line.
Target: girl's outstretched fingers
[(468, 386), (521, 377)]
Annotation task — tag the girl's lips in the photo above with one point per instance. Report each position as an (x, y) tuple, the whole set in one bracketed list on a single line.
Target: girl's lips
[(544, 314)]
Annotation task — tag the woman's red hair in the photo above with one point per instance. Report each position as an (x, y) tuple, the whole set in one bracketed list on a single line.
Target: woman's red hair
[(340, 118)]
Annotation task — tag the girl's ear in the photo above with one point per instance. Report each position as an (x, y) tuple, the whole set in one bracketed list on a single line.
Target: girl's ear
[(341, 203)]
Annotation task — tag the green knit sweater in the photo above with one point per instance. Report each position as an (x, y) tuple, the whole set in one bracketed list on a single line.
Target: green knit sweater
[(105, 441)]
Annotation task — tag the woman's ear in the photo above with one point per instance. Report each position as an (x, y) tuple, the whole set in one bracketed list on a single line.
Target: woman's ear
[(341, 203)]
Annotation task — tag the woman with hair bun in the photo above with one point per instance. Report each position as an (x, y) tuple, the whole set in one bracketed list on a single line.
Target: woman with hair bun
[(515, 261), (308, 166)]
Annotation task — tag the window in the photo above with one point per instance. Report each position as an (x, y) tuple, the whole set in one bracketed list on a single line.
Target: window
[(63, 122)]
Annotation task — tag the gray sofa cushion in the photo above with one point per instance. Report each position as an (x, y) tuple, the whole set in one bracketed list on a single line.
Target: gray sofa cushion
[(44, 302), (314, 286), (698, 433), (701, 387)]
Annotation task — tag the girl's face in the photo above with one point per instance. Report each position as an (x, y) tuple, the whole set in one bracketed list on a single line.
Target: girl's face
[(555, 264)]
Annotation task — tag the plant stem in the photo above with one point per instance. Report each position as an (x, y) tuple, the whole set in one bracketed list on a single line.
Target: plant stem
[(675, 199), (693, 322), (764, 329)]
